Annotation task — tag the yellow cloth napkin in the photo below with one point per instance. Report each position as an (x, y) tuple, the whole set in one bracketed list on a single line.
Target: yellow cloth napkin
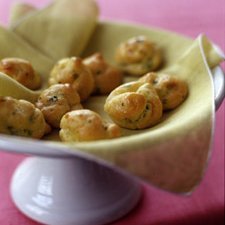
[(59, 30), (172, 155), (19, 11)]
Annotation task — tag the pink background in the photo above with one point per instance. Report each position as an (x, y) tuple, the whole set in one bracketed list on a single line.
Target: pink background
[(206, 204)]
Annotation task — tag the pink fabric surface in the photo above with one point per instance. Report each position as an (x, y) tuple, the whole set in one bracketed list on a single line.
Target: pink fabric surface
[(206, 204)]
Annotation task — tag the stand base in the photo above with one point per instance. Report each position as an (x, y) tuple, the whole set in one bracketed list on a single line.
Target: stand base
[(72, 191)]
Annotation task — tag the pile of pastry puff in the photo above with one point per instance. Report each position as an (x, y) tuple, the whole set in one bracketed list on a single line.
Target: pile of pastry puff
[(134, 105)]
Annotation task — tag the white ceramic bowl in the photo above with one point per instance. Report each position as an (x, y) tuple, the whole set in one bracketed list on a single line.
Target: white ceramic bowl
[(57, 186)]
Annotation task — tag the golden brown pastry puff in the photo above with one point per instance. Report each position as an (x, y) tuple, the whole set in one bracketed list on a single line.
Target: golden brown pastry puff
[(106, 76), (57, 100), (22, 71), (138, 55), (73, 71), (172, 91), (21, 118), (86, 125), (134, 105)]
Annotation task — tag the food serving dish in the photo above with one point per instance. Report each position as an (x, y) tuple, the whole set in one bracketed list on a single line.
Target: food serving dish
[(98, 182)]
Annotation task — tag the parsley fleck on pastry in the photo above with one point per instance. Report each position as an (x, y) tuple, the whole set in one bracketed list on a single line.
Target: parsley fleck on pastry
[(106, 76), (134, 105), (57, 100), (138, 55), (172, 91), (73, 71), (86, 125), (21, 118), (22, 71)]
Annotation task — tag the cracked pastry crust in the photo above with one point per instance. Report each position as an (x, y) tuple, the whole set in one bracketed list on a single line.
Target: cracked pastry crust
[(138, 56), (134, 105), (57, 100), (86, 125), (22, 71), (21, 118), (172, 91), (73, 71), (106, 77)]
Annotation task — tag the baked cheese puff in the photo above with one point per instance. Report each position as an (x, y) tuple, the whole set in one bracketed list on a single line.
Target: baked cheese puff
[(138, 55), (22, 71), (172, 91), (57, 100), (134, 105), (86, 125), (73, 71), (21, 118), (106, 76)]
